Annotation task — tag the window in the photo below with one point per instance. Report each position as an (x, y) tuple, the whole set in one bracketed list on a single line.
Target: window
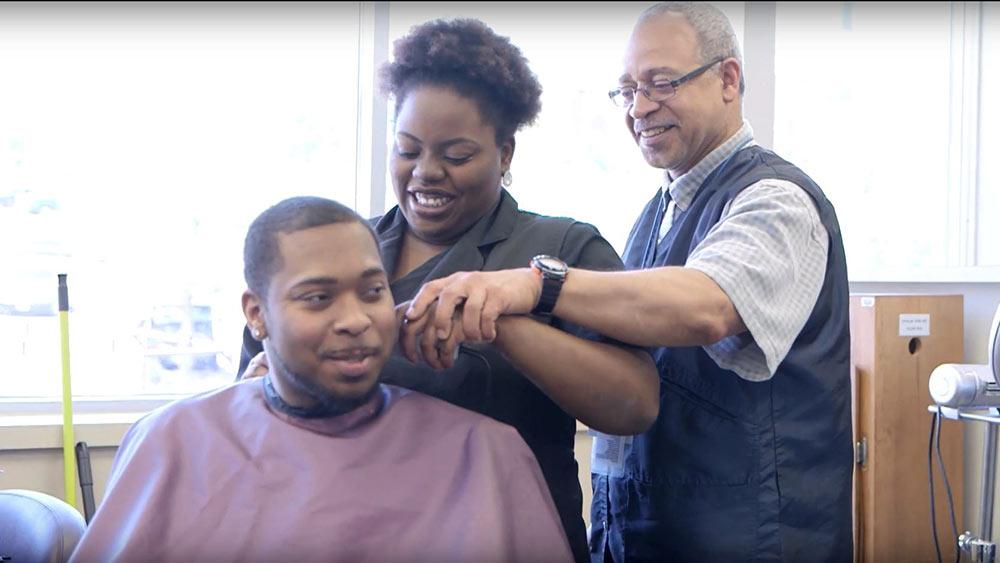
[(888, 108), (137, 142), (862, 106)]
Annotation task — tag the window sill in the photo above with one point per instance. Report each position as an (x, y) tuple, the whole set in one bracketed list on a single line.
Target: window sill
[(37, 424), (977, 274), (83, 405), (106, 429), (42, 432)]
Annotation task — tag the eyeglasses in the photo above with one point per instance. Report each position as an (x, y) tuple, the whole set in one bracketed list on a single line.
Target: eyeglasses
[(657, 91)]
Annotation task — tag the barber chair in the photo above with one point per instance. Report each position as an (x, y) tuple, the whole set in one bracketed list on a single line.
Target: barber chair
[(37, 528)]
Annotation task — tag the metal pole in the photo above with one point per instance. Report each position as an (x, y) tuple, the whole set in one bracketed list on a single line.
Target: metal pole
[(69, 459), (989, 482)]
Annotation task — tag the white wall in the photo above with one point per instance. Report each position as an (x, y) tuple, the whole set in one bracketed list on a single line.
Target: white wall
[(31, 454), (42, 470)]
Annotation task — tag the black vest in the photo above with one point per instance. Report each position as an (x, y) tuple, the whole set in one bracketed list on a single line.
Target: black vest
[(735, 470)]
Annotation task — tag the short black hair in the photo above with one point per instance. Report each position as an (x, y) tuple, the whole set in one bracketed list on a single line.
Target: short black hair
[(261, 256), (470, 58)]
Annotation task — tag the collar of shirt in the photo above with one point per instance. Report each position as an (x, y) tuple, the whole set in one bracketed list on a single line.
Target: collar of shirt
[(332, 422), (683, 188)]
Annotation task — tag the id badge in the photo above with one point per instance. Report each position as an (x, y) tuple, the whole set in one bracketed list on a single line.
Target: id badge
[(607, 456)]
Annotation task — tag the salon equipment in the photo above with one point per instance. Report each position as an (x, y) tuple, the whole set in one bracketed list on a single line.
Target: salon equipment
[(971, 386), (964, 385)]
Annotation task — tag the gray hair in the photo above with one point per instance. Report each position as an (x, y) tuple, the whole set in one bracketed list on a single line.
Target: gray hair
[(715, 33)]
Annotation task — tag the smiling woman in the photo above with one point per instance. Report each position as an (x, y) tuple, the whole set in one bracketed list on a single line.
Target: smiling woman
[(576, 159), (461, 92), (446, 165)]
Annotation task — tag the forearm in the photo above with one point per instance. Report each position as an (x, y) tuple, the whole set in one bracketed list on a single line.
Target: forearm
[(670, 306), (609, 388)]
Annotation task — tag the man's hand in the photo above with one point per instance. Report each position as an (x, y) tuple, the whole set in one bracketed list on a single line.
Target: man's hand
[(480, 297), (256, 368)]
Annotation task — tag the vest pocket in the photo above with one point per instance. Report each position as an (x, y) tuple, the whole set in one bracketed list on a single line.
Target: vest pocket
[(689, 524), (695, 443)]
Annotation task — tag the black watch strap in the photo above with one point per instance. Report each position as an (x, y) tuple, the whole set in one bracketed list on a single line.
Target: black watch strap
[(550, 292), (553, 272)]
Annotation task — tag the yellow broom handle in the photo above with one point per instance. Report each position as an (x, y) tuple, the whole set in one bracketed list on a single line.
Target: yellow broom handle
[(69, 459)]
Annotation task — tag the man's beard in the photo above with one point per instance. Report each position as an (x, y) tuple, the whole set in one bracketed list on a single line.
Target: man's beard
[(327, 403)]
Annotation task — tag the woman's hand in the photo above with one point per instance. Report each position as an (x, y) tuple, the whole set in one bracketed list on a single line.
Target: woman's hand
[(480, 298), (256, 368), (419, 341)]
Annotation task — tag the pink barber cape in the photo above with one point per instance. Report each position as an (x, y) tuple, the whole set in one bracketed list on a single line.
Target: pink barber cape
[(405, 478)]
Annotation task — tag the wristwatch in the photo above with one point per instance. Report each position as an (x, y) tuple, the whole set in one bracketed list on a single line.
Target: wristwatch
[(553, 272)]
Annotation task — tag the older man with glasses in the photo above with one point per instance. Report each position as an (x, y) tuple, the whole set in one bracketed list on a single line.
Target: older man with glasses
[(738, 284)]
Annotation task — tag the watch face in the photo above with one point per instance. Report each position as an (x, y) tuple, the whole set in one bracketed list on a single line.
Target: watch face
[(552, 264)]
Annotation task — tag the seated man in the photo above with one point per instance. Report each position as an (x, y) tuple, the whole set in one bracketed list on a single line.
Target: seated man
[(318, 460)]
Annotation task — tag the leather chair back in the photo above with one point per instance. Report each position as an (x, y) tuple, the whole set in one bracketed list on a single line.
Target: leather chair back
[(35, 527)]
